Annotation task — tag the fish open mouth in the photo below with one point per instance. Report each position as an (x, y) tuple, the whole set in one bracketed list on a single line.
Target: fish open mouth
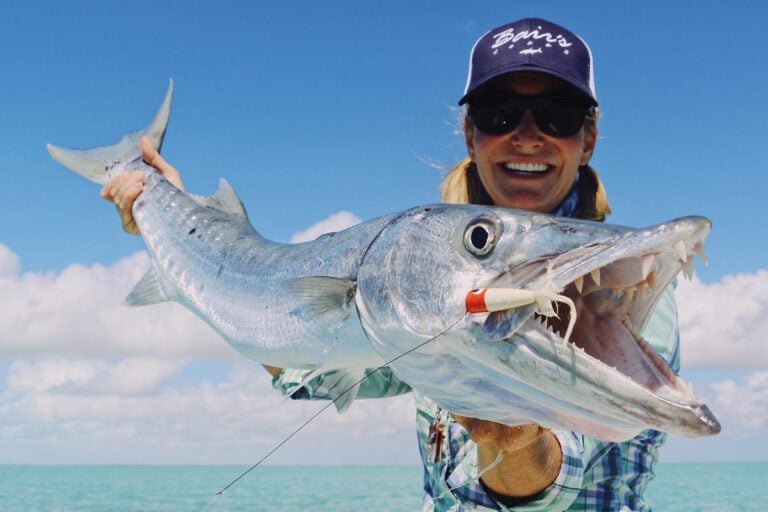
[(612, 287)]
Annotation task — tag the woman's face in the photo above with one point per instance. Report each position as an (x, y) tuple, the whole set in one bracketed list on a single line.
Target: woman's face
[(526, 168)]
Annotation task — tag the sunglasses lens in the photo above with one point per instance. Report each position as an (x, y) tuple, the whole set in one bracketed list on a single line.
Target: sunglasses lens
[(555, 116), (496, 119), (559, 117)]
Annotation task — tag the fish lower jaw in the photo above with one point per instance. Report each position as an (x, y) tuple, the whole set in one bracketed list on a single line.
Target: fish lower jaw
[(675, 388), (633, 358), (667, 403)]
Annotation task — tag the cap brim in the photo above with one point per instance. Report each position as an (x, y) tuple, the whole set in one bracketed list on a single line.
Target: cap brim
[(515, 69)]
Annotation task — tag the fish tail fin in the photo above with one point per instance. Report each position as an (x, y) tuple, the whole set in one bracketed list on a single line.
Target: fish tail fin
[(102, 163)]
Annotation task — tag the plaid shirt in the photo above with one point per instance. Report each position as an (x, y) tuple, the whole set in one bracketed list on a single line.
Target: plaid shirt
[(594, 475)]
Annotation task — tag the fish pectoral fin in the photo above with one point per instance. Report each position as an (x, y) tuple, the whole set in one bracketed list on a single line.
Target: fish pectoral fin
[(329, 299), (343, 386), (225, 200), (149, 290)]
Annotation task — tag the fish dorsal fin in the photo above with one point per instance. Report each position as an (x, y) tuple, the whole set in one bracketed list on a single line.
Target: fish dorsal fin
[(329, 299), (149, 290), (224, 200)]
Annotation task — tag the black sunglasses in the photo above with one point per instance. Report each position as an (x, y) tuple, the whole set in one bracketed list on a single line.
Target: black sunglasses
[(558, 116)]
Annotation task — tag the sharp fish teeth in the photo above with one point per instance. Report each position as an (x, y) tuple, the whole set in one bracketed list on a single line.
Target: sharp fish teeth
[(596, 276), (688, 269), (647, 265), (651, 281), (682, 253), (699, 249), (579, 282)]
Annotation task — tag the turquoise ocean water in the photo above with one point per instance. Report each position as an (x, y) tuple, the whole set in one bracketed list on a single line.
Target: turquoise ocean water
[(678, 487)]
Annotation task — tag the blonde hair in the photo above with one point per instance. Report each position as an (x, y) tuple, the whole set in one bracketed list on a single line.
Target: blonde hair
[(462, 185)]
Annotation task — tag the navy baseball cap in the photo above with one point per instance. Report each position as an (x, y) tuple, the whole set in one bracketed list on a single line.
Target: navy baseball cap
[(531, 44)]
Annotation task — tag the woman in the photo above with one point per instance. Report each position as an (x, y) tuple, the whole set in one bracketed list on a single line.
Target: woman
[(530, 130)]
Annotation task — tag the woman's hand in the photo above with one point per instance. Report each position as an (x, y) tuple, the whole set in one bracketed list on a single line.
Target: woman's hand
[(531, 456), (124, 188)]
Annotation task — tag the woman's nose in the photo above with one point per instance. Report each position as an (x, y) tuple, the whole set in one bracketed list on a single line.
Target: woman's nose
[(527, 134)]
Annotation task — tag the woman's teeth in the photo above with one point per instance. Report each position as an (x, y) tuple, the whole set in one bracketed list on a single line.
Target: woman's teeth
[(526, 167)]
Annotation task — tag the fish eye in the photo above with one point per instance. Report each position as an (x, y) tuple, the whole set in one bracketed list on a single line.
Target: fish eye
[(480, 237)]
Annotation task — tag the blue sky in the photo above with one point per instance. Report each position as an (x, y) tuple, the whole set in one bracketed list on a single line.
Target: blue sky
[(314, 108)]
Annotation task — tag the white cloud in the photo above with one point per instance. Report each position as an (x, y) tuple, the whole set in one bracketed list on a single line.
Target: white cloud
[(743, 407), (87, 404), (26, 376), (723, 324), (9, 263), (94, 377), (79, 313), (335, 222)]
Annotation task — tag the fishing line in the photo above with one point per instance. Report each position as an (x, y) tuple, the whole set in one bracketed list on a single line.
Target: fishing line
[(330, 403), (469, 480)]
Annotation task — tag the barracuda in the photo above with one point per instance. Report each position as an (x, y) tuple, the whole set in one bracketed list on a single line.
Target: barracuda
[(504, 315)]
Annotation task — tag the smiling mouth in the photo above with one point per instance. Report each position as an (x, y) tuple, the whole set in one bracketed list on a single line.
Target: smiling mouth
[(526, 168)]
